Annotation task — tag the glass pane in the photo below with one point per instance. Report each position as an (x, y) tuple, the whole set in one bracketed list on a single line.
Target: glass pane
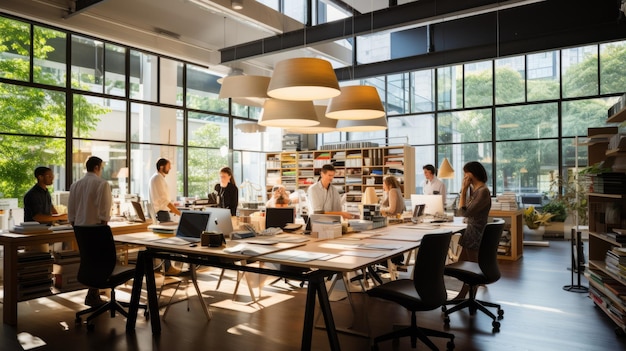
[(50, 59), (612, 58), (98, 118), (464, 126), (374, 47), (580, 71), (207, 130), (295, 9), (171, 84), (87, 64), (143, 76), (527, 122), (14, 167), (543, 76), (14, 49), (569, 153), (510, 80), (203, 91), (328, 12), (239, 110), (112, 153), (143, 165), (397, 94), (251, 167), (449, 87), (248, 136), (153, 124), (115, 70), (526, 166), (423, 91), (424, 155), (460, 154), (414, 130), (35, 111), (375, 136), (203, 166), (582, 114), (478, 84)]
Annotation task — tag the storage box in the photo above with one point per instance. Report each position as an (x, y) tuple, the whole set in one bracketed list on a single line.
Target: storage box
[(326, 226)]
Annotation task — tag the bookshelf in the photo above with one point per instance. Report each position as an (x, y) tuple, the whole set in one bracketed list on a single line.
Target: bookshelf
[(607, 212), (511, 243), (356, 168)]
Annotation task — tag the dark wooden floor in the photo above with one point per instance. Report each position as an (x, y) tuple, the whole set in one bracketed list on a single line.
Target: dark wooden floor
[(539, 315)]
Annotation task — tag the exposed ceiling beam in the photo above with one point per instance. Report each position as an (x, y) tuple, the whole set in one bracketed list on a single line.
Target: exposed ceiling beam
[(412, 13), (80, 6)]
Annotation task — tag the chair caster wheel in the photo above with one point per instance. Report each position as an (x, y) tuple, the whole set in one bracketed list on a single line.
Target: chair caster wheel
[(444, 308), (500, 314), (496, 326), (450, 345), (446, 321), (91, 327)]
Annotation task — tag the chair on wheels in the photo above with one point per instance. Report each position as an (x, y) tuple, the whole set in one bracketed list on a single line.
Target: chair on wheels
[(425, 292), (100, 269), (474, 274)]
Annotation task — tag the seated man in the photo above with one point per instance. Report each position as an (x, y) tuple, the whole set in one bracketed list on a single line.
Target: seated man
[(38, 202)]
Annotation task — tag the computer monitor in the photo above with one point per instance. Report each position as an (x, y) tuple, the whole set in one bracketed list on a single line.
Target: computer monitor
[(433, 203), (278, 217), (192, 224), (221, 221)]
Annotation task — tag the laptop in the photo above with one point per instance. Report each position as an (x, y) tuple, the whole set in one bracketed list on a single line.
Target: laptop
[(192, 224), (221, 221), (279, 217), (141, 217)]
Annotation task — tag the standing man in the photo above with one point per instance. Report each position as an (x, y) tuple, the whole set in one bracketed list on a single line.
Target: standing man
[(159, 193), (324, 197), (90, 204), (38, 202), (432, 185)]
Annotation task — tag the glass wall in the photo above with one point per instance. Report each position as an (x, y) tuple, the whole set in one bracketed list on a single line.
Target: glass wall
[(67, 96)]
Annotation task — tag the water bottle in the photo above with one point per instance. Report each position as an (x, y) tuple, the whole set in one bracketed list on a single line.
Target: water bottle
[(11, 221)]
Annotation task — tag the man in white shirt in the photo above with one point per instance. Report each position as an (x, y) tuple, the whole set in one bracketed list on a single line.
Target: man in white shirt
[(432, 185), (159, 192), (323, 197), (90, 203)]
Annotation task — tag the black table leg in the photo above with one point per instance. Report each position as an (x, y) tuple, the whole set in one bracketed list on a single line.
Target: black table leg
[(135, 294), (317, 286)]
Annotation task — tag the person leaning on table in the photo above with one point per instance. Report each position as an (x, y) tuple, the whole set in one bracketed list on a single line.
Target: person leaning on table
[(323, 197)]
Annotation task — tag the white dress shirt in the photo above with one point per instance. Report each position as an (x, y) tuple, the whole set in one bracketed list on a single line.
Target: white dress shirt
[(322, 200), (90, 201), (159, 193), (430, 186)]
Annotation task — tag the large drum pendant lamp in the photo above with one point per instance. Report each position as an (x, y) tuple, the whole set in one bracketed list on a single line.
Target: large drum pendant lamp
[(356, 102), (285, 114), (301, 79), (245, 90), (326, 124)]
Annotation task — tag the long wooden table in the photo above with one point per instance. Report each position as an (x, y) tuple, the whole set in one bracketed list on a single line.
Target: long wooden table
[(13, 242), (345, 260)]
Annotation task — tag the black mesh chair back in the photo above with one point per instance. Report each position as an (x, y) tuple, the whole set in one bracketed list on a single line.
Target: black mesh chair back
[(428, 271), (97, 255)]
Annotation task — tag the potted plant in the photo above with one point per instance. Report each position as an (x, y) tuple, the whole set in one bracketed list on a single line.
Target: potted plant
[(534, 223)]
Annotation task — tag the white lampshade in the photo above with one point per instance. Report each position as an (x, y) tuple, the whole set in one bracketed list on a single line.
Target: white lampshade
[(302, 79), (369, 196), (363, 125), (245, 90), (356, 102), (445, 170), (286, 114), (326, 124)]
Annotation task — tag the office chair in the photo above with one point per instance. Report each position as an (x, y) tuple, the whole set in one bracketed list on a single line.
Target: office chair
[(474, 274), (99, 269), (425, 292)]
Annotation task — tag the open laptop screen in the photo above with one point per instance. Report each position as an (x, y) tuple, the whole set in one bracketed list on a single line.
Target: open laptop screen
[(192, 224), (278, 217)]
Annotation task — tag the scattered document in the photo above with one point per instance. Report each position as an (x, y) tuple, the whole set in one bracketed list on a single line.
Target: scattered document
[(369, 254)]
